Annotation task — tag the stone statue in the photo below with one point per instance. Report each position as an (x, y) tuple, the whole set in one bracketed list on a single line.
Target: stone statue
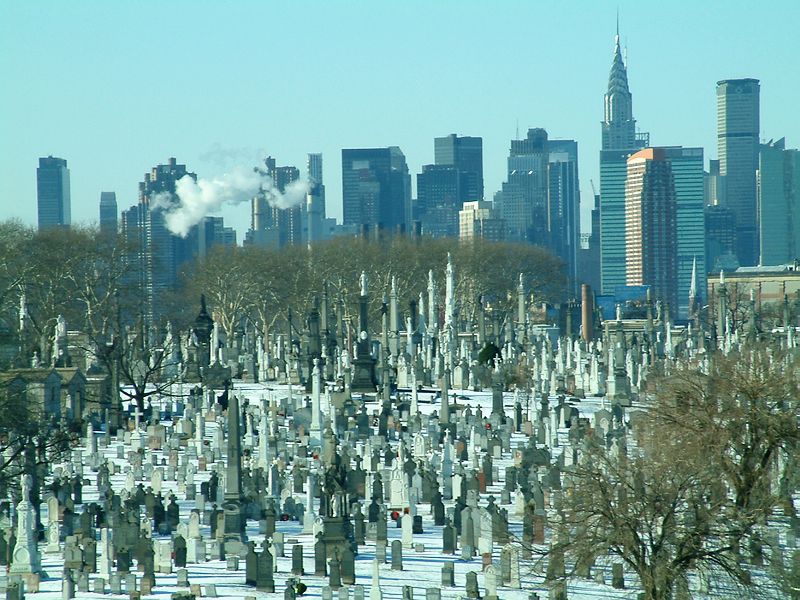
[(25, 484)]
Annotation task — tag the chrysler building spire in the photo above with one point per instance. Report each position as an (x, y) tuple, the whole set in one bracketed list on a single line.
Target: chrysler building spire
[(619, 126)]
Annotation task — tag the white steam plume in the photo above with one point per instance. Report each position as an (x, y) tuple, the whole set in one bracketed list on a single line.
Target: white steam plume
[(197, 199)]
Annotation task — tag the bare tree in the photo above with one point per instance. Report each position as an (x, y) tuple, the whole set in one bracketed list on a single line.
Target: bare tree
[(28, 438), (700, 482)]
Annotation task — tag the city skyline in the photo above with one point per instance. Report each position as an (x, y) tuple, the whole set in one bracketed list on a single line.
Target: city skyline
[(109, 139)]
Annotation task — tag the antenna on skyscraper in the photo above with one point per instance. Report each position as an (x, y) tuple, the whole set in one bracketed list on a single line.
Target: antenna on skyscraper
[(517, 137)]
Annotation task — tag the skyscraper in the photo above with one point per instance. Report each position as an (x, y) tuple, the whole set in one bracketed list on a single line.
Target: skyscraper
[(620, 140), (540, 200), (687, 172), (778, 203), (665, 239), (439, 198), (720, 238), (376, 188), (272, 225), (464, 153), (737, 147), (563, 205), (651, 245), (52, 191), (522, 201), (158, 252), (314, 213), (479, 220), (210, 232), (619, 126), (108, 213)]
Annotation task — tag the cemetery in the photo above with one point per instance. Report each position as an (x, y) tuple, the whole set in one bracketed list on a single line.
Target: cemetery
[(430, 453)]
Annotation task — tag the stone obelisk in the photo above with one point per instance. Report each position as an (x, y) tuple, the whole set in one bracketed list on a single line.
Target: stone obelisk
[(235, 536)]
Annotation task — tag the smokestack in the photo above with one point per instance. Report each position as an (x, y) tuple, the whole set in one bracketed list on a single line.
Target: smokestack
[(587, 308)]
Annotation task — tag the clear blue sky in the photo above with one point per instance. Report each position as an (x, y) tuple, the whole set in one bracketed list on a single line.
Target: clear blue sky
[(118, 87)]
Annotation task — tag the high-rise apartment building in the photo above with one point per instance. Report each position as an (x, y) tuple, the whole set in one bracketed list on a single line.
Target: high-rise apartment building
[(737, 147), (651, 232), (619, 141), (158, 252), (376, 188), (52, 191), (778, 203), (108, 213), (464, 153), (210, 232), (271, 224)]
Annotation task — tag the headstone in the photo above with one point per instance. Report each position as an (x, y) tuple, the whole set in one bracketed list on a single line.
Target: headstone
[(617, 576), (433, 594), (448, 574), (490, 582), (397, 555), (375, 589), (183, 577), (335, 576), (99, 585), (297, 560), (115, 583), (472, 585)]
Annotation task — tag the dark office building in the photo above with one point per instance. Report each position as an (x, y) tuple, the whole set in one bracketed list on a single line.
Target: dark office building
[(52, 191), (108, 213), (720, 228), (439, 194), (464, 153), (737, 148), (376, 188)]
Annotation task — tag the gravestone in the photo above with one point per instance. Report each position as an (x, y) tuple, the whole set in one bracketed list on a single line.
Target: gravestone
[(472, 585), (448, 574), (617, 576), (297, 560), (397, 555)]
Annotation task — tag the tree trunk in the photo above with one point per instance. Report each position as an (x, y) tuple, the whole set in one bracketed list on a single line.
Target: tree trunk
[(656, 585)]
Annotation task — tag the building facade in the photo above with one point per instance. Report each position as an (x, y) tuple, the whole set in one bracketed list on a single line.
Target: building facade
[(479, 220), (270, 224), (563, 206), (720, 238), (778, 203), (738, 129), (465, 154), (108, 213), (439, 198), (376, 189), (157, 253), (651, 232), (314, 210), (52, 193)]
